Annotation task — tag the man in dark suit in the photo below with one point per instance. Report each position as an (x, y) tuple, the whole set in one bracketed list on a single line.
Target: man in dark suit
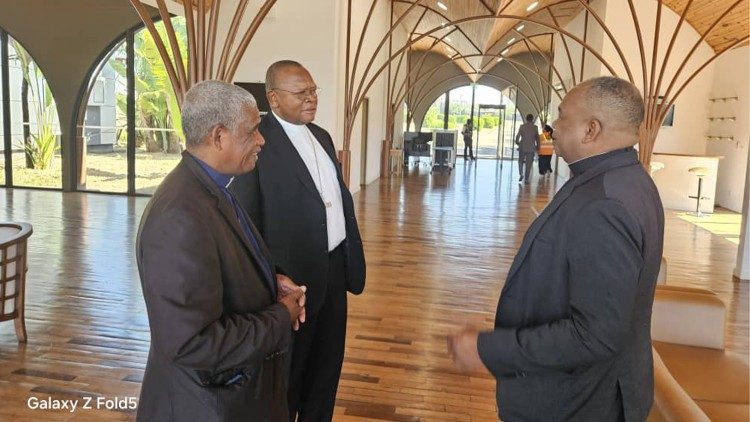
[(220, 317), (572, 330), (305, 213)]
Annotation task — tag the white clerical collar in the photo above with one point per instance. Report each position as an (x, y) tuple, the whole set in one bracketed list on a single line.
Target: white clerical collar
[(288, 125)]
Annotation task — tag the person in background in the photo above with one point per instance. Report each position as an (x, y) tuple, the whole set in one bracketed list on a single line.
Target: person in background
[(546, 148), (467, 133), (527, 140)]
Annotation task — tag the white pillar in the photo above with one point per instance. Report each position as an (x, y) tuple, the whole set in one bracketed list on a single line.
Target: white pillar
[(742, 270)]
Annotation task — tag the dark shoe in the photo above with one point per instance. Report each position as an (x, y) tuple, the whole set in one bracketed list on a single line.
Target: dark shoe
[(520, 179)]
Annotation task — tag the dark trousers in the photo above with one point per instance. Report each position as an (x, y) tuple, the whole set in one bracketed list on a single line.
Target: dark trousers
[(318, 351), (467, 145), (527, 159), (545, 164)]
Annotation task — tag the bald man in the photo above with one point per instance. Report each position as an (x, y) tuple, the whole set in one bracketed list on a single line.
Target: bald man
[(572, 329)]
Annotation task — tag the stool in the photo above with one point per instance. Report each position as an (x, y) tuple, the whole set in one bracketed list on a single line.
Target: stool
[(700, 172), (13, 237)]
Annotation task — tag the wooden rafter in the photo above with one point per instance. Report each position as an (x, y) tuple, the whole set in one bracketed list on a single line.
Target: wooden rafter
[(201, 40)]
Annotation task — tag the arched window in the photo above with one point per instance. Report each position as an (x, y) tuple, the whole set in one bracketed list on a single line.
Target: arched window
[(156, 140), (31, 154)]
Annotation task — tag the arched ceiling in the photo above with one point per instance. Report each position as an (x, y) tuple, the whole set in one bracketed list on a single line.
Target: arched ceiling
[(502, 36)]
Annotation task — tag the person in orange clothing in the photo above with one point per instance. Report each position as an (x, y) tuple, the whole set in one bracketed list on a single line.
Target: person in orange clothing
[(546, 148)]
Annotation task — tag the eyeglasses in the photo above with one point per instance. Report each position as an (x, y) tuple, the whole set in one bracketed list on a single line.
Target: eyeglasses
[(302, 95)]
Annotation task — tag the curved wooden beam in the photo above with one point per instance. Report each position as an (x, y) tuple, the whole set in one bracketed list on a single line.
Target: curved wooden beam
[(175, 47), (428, 74), (567, 51), (490, 75), (533, 59), (173, 79), (663, 114), (358, 99), (641, 49), (350, 113), (212, 28), (231, 35), (192, 49), (448, 20), (405, 54), (668, 54), (200, 58), (655, 54), (254, 25), (692, 51), (380, 45), (611, 37), (361, 41), (550, 63)]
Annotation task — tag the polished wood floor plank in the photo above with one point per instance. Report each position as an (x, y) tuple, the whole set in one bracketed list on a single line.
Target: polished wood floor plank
[(438, 249)]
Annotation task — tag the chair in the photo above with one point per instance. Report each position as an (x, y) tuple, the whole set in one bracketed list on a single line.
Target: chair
[(701, 172), (695, 379), (13, 238)]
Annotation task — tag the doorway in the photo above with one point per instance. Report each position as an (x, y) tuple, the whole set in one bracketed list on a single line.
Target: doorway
[(490, 139)]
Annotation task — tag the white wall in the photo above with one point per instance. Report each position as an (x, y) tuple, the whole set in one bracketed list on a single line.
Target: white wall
[(687, 136), (376, 30), (731, 80)]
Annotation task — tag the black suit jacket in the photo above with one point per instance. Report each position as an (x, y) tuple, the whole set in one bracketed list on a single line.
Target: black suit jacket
[(217, 332), (572, 329), (282, 200)]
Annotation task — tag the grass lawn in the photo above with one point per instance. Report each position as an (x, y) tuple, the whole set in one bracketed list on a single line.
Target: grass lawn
[(105, 172)]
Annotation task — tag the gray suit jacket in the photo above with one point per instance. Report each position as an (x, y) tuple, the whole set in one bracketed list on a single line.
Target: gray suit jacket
[(572, 330), (527, 137), (217, 332)]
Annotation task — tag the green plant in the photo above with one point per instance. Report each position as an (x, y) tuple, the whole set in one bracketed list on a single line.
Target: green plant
[(156, 104), (43, 147)]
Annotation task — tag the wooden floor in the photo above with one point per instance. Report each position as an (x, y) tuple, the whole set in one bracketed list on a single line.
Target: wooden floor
[(438, 248)]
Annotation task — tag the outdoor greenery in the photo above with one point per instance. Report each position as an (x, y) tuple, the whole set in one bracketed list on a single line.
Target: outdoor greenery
[(156, 104), (39, 147), (458, 114)]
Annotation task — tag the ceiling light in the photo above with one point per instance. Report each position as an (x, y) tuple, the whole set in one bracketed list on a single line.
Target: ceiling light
[(442, 23), (442, 6), (531, 7), (447, 39), (510, 41), (499, 59), (504, 52), (520, 27)]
